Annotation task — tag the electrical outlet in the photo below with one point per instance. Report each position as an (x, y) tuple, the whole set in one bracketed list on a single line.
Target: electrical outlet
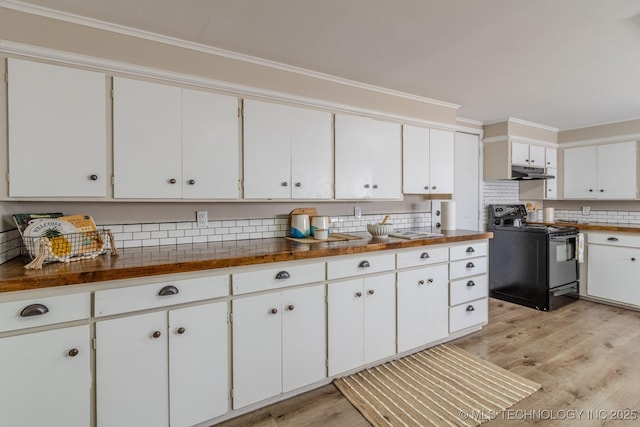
[(202, 219), (357, 212), (586, 210)]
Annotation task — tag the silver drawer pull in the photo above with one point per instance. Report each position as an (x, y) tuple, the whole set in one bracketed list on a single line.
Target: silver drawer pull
[(283, 275), (168, 290), (364, 264), (470, 308), (34, 310)]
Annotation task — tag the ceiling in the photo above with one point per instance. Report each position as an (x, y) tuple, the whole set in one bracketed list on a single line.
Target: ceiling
[(561, 63)]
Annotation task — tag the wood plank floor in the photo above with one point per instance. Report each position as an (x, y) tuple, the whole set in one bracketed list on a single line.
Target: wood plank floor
[(585, 355)]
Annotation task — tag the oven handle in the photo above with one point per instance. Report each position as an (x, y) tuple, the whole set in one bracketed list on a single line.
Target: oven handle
[(566, 289)]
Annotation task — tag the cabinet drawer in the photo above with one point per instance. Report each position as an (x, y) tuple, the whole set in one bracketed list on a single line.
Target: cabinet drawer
[(614, 239), (275, 278), (362, 264), (422, 256), (472, 288), (467, 267), (469, 250), (142, 297), (468, 314), (65, 308)]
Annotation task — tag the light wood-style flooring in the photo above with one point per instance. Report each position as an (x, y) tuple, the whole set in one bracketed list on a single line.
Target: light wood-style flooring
[(585, 355)]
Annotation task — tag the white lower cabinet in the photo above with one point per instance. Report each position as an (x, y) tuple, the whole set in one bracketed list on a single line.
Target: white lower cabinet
[(278, 343), (613, 268), (423, 311), (46, 378), (362, 326), (468, 287), (162, 368)]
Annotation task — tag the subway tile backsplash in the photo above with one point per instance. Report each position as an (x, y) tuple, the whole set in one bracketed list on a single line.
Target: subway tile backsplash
[(177, 233)]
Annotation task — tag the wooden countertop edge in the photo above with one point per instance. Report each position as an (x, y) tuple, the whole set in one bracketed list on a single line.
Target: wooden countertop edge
[(40, 279), (596, 226)]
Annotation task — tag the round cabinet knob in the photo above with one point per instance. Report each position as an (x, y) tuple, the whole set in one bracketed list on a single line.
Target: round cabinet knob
[(93, 177), (429, 280), (549, 190), (548, 163), (375, 185), (633, 259), (191, 181), (434, 187), (273, 311), (371, 291), (172, 181), (298, 184), (284, 183), (358, 294), (601, 190), (526, 160), (181, 330), (366, 186), (420, 282), (73, 352), (290, 307), (156, 334), (470, 308), (591, 190), (533, 161), (426, 187)]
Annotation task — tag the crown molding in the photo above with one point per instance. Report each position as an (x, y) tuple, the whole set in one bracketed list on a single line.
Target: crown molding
[(503, 138), (128, 31), (532, 124), (598, 141)]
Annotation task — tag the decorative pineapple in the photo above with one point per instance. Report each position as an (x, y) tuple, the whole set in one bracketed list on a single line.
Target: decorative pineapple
[(60, 245)]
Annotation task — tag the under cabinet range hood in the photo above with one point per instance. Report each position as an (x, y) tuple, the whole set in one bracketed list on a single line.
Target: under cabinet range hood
[(526, 172)]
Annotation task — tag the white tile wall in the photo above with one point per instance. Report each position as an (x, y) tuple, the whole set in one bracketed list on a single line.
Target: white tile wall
[(158, 234), (498, 192), (611, 217)]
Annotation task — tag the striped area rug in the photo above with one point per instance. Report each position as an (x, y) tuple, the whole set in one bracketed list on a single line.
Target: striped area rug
[(441, 386)]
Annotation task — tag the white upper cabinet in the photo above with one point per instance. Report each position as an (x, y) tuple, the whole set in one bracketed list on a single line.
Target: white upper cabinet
[(551, 158), (57, 131), (368, 158), (172, 143), (527, 154), (601, 172), (427, 161), (287, 152)]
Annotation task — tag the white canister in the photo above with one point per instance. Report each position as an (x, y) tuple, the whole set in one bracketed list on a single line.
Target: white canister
[(300, 225), (448, 209), (319, 222), (548, 215)]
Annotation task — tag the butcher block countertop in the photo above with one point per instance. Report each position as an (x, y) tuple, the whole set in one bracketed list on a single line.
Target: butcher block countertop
[(150, 261), (595, 226)]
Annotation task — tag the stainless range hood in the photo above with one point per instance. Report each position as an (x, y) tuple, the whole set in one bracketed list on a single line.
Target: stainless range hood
[(529, 173)]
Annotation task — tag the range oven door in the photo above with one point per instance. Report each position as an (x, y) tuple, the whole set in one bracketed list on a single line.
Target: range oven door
[(563, 262)]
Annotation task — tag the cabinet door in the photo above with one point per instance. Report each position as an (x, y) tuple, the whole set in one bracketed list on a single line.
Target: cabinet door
[(536, 156), (520, 153), (580, 166), (345, 312), (386, 159), (551, 185), (43, 382), (442, 161), (415, 160), (257, 349), (267, 150), (132, 375), (551, 157), (311, 154), (379, 317), (210, 146), (423, 306), (146, 140), (198, 337), (57, 131), (614, 273), (353, 157), (304, 352), (617, 171)]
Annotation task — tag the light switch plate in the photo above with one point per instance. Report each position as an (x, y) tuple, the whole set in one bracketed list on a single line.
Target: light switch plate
[(357, 212), (586, 210)]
